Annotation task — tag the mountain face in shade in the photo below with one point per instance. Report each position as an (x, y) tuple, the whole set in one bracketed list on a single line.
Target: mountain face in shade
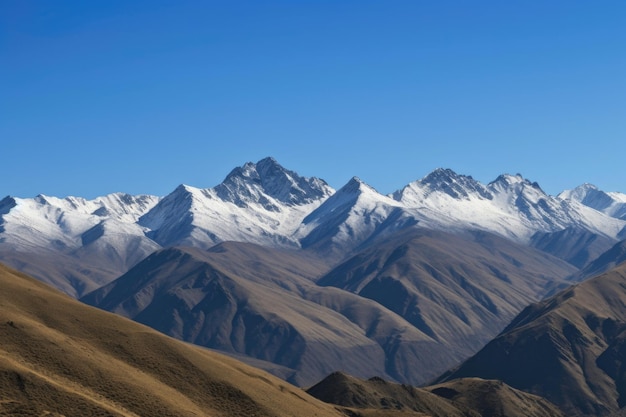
[(570, 348), (415, 315), (61, 357), (459, 290), (262, 304), (603, 263), (574, 245)]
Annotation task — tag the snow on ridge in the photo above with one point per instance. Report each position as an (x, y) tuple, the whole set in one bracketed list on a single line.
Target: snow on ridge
[(612, 204), (265, 203), (260, 203), (349, 216)]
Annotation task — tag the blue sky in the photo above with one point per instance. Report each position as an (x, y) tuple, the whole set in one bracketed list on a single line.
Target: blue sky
[(140, 96)]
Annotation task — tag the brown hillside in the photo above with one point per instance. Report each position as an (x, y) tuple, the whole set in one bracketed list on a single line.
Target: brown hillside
[(468, 397), (570, 348), (60, 357)]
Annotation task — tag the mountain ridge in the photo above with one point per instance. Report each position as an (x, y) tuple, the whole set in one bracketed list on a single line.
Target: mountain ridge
[(577, 339), (267, 204)]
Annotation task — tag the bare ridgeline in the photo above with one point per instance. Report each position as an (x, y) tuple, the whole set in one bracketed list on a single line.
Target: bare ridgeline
[(433, 284)]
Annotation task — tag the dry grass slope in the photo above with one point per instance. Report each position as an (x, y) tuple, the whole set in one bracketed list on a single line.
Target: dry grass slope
[(468, 397), (60, 357)]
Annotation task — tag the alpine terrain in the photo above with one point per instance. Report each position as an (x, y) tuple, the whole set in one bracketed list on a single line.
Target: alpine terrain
[(302, 280)]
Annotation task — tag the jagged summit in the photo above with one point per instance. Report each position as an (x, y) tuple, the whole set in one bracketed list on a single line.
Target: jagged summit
[(356, 185), (251, 182), (267, 204), (355, 213), (453, 184), (513, 182)]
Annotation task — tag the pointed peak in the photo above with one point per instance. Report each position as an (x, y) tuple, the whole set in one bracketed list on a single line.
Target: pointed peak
[(253, 183), (442, 172), (508, 180), (455, 185), (184, 189), (41, 198), (587, 187), (356, 185), (514, 182), (446, 175), (268, 160)]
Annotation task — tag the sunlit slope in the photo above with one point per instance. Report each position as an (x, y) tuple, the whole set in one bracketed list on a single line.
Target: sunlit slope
[(60, 357)]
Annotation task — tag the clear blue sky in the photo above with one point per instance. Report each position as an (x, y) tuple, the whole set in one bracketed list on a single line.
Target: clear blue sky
[(140, 96)]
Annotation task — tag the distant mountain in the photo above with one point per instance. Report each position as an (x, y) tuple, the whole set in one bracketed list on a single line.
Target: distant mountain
[(267, 204), (103, 238), (353, 215), (92, 240), (459, 290), (575, 245), (61, 357), (416, 314), (259, 203), (510, 206), (260, 302), (570, 348), (611, 203), (469, 397)]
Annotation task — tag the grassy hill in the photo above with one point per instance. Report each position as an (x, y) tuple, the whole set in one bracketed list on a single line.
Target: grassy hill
[(60, 357)]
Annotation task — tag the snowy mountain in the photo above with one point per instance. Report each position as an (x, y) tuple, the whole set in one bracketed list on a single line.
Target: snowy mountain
[(102, 233), (266, 204), (259, 203), (51, 223), (510, 206), (611, 203), (354, 214)]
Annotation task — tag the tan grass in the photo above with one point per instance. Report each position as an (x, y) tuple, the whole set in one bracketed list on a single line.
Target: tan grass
[(60, 357)]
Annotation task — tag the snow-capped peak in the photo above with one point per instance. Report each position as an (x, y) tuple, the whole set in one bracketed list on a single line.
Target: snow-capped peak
[(355, 186), (512, 182), (267, 178), (610, 203), (441, 184), (453, 184)]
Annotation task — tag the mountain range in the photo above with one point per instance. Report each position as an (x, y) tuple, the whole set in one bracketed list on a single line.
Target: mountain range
[(266, 204), (289, 275), (61, 358)]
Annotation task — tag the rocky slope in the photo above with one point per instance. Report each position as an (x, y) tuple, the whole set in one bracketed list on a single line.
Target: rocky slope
[(264, 303), (569, 348)]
